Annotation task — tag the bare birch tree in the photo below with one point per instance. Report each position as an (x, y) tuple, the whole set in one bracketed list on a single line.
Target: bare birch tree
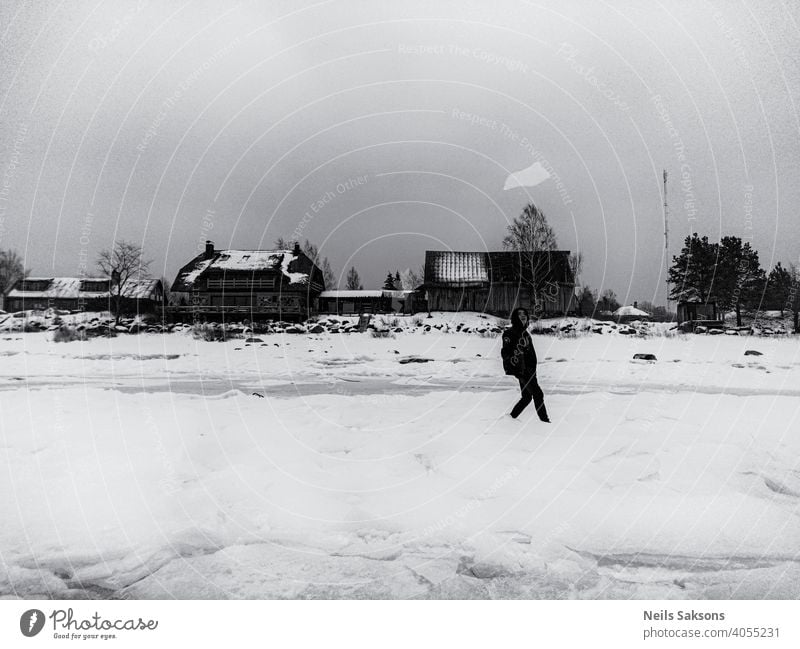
[(124, 265)]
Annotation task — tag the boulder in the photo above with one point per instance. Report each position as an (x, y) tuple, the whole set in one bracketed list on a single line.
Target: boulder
[(644, 357), (317, 329), (752, 352)]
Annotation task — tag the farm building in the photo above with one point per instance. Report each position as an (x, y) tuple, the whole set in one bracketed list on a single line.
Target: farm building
[(350, 302), (84, 294), (497, 282), (247, 284)]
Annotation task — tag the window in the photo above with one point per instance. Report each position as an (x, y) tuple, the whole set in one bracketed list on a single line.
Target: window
[(95, 286), (240, 282), (235, 300), (35, 284)]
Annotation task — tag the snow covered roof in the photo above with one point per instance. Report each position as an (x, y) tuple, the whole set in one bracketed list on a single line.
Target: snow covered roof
[(630, 311), (292, 264), (398, 294), (691, 296), (79, 287), (139, 289), (462, 269)]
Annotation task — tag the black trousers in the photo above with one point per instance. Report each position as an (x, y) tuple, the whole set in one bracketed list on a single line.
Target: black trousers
[(530, 391)]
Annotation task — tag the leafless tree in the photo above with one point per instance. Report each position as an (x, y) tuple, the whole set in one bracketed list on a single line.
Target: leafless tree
[(530, 232), (353, 280), (167, 285), (312, 252), (531, 236), (576, 265), (11, 270), (608, 301), (409, 280), (124, 265)]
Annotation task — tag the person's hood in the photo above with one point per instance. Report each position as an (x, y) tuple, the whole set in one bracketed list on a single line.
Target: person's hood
[(516, 323)]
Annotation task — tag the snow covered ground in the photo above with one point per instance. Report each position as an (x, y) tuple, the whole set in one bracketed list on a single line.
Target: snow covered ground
[(347, 465)]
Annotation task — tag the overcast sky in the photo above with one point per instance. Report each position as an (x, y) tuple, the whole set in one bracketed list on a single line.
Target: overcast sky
[(381, 129)]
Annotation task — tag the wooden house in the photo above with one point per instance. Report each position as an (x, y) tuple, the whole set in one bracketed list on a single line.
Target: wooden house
[(247, 284), (350, 302), (85, 294), (497, 282)]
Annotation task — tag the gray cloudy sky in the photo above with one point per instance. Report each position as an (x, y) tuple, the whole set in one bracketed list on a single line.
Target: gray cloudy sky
[(381, 129)]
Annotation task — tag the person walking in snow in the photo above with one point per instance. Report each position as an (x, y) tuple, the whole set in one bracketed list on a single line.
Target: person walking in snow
[(519, 360)]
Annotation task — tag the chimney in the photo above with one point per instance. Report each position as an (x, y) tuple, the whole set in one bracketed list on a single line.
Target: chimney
[(209, 249), (297, 247)]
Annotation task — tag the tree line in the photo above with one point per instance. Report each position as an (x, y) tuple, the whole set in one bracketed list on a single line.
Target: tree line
[(729, 273)]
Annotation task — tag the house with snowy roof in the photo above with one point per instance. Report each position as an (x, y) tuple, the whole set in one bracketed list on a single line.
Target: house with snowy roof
[(497, 282), (84, 294), (247, 284)]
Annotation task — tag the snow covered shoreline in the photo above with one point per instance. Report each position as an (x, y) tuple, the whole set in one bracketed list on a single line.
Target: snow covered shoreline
[(669, 479)]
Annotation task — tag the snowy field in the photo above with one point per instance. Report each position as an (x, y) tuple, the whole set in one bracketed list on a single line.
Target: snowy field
[(337, 465)]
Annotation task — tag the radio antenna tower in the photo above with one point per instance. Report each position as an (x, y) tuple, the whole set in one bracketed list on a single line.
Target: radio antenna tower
[(666, 215)]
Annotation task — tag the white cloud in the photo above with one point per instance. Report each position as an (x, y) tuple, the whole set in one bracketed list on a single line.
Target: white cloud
[(528, 177)]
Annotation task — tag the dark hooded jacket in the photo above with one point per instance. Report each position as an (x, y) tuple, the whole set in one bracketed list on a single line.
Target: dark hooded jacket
[(519, 357)]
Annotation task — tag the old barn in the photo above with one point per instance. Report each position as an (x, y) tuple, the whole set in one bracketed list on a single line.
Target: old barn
[(84, 294), (247, 284), (497, 282)]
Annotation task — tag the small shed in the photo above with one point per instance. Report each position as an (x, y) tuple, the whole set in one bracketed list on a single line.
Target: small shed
[(691, 310), (694, 311)]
